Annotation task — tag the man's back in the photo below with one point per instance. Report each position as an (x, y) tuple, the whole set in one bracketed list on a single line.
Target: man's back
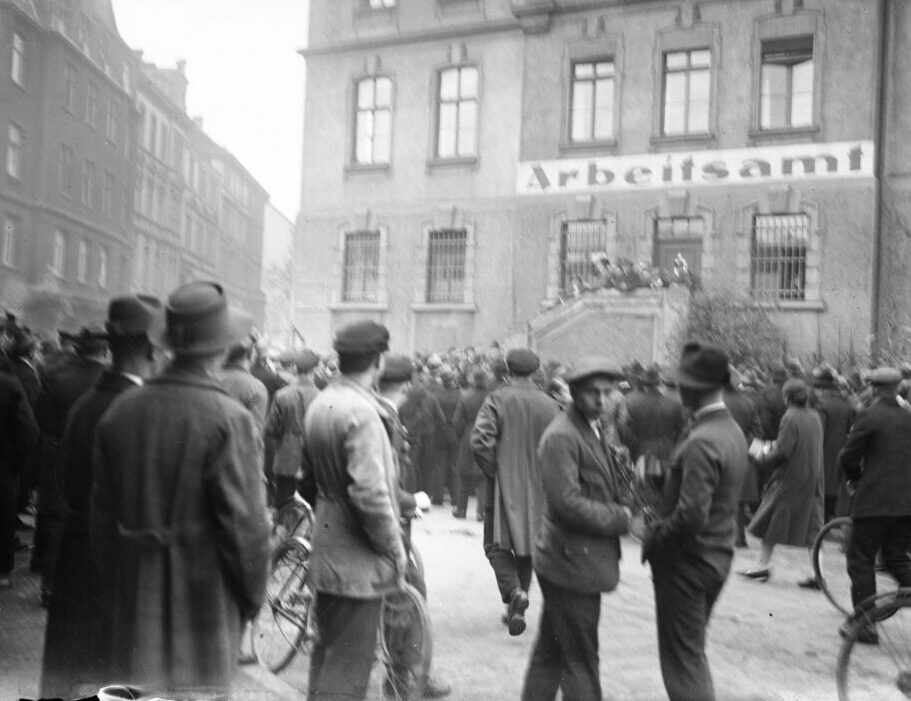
[(285, 424), (651, 423), (246, 389)]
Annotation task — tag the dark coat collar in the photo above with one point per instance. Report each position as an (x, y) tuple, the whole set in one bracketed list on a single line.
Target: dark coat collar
[(188, 376), (588, 434)]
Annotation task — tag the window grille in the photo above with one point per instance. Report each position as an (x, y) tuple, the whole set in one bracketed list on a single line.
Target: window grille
[(592, 101), (362, 266), (778, 262), (786, 94), (580, 240), (687, 87), (446, 266)]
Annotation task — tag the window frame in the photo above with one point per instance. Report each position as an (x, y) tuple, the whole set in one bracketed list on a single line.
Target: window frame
[(87, 190), (91, 104), (17, 59), (570, 108), (103, 262), (447, 299), (70, 77), (82, 261), (357, 112), (15, 148), (688, 71), (374, 238), (438, 103), (773, 264), (65, 171), (108, 185), (10, 244), (789, 60), (58, 254), (565, 269), (112, 121)]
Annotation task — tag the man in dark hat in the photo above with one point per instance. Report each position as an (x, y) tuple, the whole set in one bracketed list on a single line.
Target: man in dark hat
[(471, 479), (284, 428), (241, 384), (876, 456), (837, 415), (772, 406), (75, 640), (60, 389), (577, 551), (504, 441), (178, 510), (691, 544), (358, 552)]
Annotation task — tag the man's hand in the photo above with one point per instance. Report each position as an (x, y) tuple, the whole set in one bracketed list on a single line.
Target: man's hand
[(638, 528), (422, 501)]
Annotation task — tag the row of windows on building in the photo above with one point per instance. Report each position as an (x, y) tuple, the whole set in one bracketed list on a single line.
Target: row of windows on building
[(90, 270), (778, 257), (785, 100), (114, 112), (93, 194)]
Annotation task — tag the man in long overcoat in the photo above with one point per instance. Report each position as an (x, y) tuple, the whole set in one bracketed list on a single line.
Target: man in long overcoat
[(877, 457), (240, 383), (836, 414), (504, 440), (577, 550), (75, 640), (471, 479), (178, 511)]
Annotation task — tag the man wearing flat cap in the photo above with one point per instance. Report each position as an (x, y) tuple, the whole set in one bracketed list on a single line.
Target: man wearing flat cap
[(690, 545), (877, 458), (74, 645), (178, 510), (284, 428), (504, 440), (577, 549), (358, 552)]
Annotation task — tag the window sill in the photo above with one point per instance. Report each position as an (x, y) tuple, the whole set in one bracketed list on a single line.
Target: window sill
[(588, 147), (423, 307), (683, 140), (364, 10), (783, 133), (802, 305), (358, 306), (470, 163), (367, 169)]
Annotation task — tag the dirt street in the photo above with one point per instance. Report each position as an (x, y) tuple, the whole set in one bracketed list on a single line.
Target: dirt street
[(771, 641)]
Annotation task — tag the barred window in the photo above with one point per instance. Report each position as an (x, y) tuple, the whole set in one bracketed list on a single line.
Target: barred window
[(581, 239), (362, 266), (592, 101), (457, 113), (373, 133), (446, 266), (778, 262), (687, 80)]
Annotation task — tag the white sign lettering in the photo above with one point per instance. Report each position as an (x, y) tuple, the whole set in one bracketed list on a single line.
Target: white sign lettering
[(848, 159)]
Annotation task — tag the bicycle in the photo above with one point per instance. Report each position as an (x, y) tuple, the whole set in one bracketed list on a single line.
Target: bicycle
[(830, 564), (879, 671), (295, 518)]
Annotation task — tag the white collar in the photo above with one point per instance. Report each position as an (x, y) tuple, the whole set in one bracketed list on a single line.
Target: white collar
[(135, 379)]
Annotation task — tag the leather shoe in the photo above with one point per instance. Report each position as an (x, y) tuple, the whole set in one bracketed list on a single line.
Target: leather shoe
[(518, 603), (458, 513), (760, 575), (808, 583), (867, 636), (436, 688)]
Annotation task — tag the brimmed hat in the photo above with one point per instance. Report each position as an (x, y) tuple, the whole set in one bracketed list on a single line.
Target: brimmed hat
[(134, 315), (305, 360), (522, 361), (198, 321), (701, 367), (823, 376), (397, 368), (591, 366), (89, 340), (362, 338), (885, 376)]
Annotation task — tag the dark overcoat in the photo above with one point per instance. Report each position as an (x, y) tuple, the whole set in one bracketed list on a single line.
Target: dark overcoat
[(791, 510), (465, 414), (285, 425), (745, 412), (877, 456), (837, 415), (180, 525), (651, 424), (578, 545), (75, 647)]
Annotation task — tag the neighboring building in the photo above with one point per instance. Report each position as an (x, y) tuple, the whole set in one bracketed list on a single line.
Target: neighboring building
[(463, 159), (65, 132), (278, 233)]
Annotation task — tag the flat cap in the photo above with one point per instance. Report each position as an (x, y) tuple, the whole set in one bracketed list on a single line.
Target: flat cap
[(885, 376), (362, 338), (522, 361), (591, 366), (397, 368), (305, 360)]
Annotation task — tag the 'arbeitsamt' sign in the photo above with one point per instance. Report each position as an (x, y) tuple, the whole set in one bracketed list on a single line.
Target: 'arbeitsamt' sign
[(849, 159)]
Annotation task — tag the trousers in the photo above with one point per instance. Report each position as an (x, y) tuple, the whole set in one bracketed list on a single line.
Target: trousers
[(685, 593), (565, 655), (892, 535), (9, 493), (512, 571)]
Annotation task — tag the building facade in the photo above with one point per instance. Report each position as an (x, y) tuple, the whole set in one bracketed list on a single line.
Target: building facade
[(464, 160)]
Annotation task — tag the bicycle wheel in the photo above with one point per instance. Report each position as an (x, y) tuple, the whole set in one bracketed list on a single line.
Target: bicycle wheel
[(830, 565), (882, 671), (294, 519), (406, 645), (285, 623)]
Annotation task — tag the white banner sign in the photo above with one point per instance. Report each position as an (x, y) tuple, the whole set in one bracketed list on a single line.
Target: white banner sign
[(848, 159)]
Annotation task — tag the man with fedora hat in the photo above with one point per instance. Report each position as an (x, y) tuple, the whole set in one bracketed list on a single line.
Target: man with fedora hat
[(876, 456), (75, 638), (358, 552), (178, 510), (837, 415), (284, 428), (504, 440), (577, 550), (690, 545)]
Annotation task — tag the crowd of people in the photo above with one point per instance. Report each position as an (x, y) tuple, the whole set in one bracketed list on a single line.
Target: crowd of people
[(152, 446)]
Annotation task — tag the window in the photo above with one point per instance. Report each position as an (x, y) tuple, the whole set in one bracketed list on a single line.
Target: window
[(786, 93), (581, 239), (82, 261), (686, 92), (14, 152), (458, 113), (153, 134), (380, 4), (65, 171), (679, 227), (112, 126), (107, 194), (59, 255), (446, 266), (88, 183), (362, 266), (163, 142), (91, 104), (778, 259), (102, 267), (592, 101), (125, 207), (125, 78), (17, 66), (69, 88), (10, 236), (373, 121)]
